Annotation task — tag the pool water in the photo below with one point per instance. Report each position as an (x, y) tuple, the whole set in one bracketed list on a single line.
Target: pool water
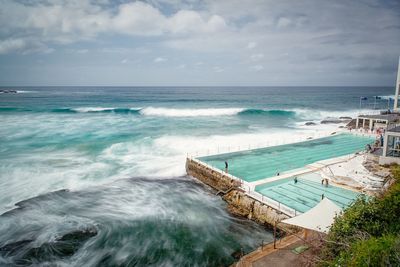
[(306, 193), (256, 164)]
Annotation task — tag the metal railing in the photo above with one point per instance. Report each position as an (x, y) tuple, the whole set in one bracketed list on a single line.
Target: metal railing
[(249, 190), (273, 204), (232, 149)]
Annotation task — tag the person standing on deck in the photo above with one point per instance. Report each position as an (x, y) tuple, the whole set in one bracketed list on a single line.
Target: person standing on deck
[(226, 166)]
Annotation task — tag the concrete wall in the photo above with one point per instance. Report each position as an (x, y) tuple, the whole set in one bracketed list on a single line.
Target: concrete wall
[(217, 180), (239, 203), (388, 160)]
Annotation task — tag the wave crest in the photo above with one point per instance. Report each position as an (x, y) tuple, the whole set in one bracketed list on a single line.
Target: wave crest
[(96, 110), (273, 112), (205, 112)]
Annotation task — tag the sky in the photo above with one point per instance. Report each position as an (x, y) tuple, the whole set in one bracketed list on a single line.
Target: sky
[(199, 43)]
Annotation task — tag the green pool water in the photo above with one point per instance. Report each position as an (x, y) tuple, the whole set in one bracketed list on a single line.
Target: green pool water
[(306, 193), (256, 164)]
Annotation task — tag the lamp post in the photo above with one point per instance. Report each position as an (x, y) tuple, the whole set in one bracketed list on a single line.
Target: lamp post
[(396, 96)]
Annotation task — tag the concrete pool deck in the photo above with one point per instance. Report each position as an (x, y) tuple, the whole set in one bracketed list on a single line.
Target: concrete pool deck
[(249, 188)]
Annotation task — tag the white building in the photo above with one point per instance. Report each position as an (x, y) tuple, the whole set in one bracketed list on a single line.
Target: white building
[(391, 147), (391, 143)]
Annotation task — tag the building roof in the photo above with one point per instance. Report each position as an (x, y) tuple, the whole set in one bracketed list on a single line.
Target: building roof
[(389, 117), (395, 129)]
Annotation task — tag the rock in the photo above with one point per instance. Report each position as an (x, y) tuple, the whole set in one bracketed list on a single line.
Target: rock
[(4, 91), (331, 121), (345, 118), (310, 123), (237, 254), (64, 246), (12, 248)]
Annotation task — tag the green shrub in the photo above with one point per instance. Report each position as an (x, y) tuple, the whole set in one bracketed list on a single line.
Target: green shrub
[(367, 233), (381, 251)]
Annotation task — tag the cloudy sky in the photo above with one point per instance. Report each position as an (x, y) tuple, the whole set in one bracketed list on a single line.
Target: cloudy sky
[(210, 42)]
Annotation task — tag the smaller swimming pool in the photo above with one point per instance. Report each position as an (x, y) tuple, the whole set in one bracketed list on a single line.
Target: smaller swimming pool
[(306, 193)]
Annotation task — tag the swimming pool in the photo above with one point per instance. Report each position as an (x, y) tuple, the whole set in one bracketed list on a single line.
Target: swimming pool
[(306, 193), (256, 164)]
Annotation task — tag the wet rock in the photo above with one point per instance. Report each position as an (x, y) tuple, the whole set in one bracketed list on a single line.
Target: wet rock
[(237, 254), (345, 118), (310, 123), (62, 247), (12, 248), (331, 121), (4, 91)]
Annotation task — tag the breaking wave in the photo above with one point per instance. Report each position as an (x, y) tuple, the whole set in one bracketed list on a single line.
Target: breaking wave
[(302, 114), (203, 112)]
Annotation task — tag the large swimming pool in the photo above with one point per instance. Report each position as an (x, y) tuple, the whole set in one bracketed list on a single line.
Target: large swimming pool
[(256, 164), (306, 193)]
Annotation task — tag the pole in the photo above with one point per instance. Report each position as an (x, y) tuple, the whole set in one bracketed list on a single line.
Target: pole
[(275, 235), (396, 97)]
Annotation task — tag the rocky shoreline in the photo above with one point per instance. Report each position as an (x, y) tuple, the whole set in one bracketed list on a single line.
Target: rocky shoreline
[(5, 91), (339, 120)]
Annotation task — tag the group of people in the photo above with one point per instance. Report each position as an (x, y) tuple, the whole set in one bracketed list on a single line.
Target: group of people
[(377, 144)]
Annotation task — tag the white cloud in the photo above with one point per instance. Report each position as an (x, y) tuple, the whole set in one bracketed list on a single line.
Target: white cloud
[(159, 59), (124, 61), (251, 45), (257, 68), (283, 22), (181, 66), (23, 46), (218, 69), (66, 22), (331, 34), (257, 57), (82, 51), (139, 18), (11, 45)]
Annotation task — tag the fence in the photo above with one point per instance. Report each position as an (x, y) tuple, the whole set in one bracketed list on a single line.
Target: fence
[(277, 142), (250, 191), (273, 204)]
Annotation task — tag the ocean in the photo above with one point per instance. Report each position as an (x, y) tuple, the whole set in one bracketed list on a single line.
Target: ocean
[(95, 176)]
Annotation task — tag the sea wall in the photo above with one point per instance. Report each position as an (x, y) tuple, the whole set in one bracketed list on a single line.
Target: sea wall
[(217, 180), (239, 203)]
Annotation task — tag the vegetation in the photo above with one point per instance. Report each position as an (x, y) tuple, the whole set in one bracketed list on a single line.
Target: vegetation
[(368, 232)]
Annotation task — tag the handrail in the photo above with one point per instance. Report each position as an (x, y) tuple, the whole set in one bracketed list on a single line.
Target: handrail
[(232, 149), (249, 190)]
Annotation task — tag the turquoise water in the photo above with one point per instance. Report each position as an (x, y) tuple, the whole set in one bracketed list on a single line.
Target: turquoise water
[(253, 165), (118, 155), (306, 193)]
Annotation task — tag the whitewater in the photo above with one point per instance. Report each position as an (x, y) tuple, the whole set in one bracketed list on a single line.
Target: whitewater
[(107, 164)]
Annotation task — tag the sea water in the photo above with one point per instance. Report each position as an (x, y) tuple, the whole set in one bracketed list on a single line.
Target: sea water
[(94, 176)]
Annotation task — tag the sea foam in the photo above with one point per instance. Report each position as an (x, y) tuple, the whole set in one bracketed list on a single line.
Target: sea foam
[(173, 112)]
